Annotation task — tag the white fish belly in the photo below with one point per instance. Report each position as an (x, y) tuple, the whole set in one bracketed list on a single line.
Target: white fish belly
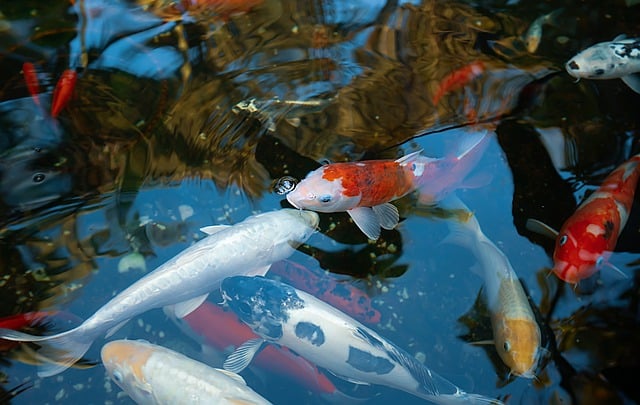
[(180, 380)]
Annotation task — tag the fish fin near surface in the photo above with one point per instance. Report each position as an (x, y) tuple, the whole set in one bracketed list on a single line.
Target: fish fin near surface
[(407, 158), (475, 142), (213, 229), (633, 81), (182, 309), (260, 271), (387, 214), (541, 228), (63, 349), (616, 269), (116, 328), (237, 377), (242, 356), (366, 220), (620, 37)]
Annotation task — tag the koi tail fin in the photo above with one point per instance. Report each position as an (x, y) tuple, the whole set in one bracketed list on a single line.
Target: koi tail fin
[(462, 397), (58, 352)]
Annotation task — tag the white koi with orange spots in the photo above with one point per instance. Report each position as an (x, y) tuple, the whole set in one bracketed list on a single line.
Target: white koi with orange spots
[(152, 374)]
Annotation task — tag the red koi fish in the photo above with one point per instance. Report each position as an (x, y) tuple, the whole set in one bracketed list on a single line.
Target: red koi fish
[(19, 321), (458, 79), (364, 189), (31, 79), (589, 236), (222, 329), (63, 91), (346, 297)]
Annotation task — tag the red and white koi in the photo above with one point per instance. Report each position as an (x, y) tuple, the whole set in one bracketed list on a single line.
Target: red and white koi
[(589, 236), (364, 189)]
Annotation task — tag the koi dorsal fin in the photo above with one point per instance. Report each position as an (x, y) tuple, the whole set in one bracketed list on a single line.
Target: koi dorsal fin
[(407, 158)]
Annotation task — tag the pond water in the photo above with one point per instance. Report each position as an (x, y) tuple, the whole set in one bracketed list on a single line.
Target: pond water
[(172, 116)]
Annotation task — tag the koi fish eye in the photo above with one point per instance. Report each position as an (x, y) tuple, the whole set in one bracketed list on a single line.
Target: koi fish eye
[(563, 240), (117, 377), (506, 346), (325, 198)]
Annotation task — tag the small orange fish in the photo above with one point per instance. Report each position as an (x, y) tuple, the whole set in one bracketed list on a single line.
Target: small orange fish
[(63, 91), (588, 237), (458, 79), (31, 79)]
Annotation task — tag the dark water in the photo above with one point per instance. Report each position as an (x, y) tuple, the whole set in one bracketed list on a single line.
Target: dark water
[(160, 138)]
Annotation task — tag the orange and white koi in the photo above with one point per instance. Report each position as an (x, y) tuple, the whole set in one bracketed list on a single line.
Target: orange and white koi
[(31, 80), (63, 91), (364, 189), (589, 236), (153, 374), (458, 79)]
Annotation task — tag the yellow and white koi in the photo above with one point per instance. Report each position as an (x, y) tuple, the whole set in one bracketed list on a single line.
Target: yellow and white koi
[(516, 334)]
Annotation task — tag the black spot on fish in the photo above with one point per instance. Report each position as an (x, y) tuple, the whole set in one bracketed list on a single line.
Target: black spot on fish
[(573, 65), (626, 50), (598, 72), (342, 292), (367, 362), (608, 229), (311, 332)]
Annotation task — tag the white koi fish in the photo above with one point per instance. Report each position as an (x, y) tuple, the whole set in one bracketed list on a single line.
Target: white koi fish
[(153, 375), (516, 334), (617, 59), (283, 315), (184, 281), (364, 189)]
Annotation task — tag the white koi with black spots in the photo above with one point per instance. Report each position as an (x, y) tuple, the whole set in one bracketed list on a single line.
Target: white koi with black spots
[(617, 59), (281, 314)]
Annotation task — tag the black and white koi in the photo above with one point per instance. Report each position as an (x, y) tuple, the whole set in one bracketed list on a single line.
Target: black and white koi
[(322, 334)]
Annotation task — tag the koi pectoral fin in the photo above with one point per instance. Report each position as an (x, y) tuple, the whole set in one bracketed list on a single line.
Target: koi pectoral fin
[(182, 309), (242, 356), (633, 81), (387, 214), (367, 221), (541, 228)]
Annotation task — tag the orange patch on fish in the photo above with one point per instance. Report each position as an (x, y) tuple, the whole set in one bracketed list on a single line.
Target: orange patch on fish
[(520, 344), (133, 356), (63, 91), (376, 181)]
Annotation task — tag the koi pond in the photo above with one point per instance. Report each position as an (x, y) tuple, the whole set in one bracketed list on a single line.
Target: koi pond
[(127, 126)]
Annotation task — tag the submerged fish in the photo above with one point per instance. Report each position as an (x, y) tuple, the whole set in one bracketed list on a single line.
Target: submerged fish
[(364, 189), (458, 79), (184, 281), (516, 334), (533, 36), (63, 91), (288, 317), (221, 329), (589, 236), (342, 295), (152, 374), (617, 59)]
